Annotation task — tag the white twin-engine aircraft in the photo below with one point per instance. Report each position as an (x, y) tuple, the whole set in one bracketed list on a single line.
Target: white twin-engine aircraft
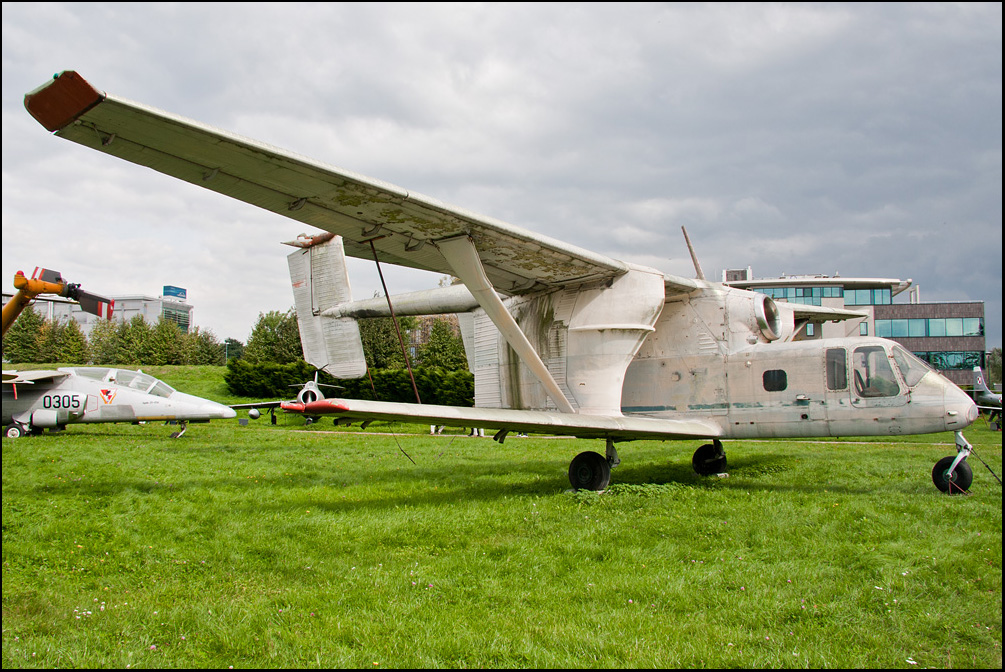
[(561, 340)]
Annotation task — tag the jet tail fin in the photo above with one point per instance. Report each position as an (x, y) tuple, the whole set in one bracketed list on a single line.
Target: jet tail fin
[(979, 383), (321, 281)]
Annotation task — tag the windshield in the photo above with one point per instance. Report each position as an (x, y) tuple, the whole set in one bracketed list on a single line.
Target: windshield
[(912, 368)]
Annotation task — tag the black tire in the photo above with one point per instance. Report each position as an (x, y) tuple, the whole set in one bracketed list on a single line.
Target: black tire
[(589, 471), (963, 476), (709, 460), (13, 431)]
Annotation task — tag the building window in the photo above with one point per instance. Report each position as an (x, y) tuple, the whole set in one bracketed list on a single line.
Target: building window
[(810, 330), (863, 329), (952, 361), (933, 327), (867, 297), (775, 380), (179, 317)]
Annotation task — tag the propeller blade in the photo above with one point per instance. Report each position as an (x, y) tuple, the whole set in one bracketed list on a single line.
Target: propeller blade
[(94, 304), (45, 275)]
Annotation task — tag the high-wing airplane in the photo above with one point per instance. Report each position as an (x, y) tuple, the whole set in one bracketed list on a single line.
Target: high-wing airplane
[(985, 398), (561, 340), (37, 400)]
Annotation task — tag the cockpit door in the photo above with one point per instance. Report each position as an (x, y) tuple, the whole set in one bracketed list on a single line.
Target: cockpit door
[(875, 383)]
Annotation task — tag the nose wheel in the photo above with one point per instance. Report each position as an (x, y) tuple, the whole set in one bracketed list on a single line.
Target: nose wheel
[(952, 474)]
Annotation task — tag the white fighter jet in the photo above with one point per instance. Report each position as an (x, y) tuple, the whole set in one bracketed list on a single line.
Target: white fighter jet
[(34, 401), (560, 339)]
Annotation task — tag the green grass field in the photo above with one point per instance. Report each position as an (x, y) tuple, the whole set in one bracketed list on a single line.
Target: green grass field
[(293, 546)]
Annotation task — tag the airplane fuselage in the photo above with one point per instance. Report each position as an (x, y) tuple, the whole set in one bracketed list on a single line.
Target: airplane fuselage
[(89, 395), (835, 387)]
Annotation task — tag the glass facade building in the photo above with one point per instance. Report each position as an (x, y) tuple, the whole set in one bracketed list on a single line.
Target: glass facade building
[(947, 335)]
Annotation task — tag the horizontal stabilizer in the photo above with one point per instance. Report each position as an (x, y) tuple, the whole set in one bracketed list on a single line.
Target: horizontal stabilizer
[(541, 422)]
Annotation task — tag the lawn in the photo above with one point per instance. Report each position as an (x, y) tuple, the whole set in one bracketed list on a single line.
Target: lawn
[(296, 546)]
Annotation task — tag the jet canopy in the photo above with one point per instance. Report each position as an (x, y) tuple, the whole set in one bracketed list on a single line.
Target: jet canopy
[(134, 380)]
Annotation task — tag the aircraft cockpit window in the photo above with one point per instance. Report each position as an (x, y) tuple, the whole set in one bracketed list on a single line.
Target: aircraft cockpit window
[(161, 390), (912, 368), (775, 380), (92, 372), (837, 369), (142, 381), (123, 377), (873, 374)]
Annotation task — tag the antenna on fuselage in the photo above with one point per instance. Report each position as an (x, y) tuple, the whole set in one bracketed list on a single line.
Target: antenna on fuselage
[(694, 257)]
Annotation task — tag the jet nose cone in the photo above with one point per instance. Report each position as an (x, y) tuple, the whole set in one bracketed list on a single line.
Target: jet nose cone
[(219, 411)]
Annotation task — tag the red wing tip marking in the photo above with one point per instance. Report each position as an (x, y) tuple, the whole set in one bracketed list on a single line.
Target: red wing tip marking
[(59, 102), (292, 406)]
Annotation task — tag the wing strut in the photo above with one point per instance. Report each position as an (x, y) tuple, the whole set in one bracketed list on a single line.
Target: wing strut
[(461, 254)]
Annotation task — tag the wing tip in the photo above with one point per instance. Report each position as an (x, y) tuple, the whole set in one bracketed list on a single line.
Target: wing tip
[(62, 100)]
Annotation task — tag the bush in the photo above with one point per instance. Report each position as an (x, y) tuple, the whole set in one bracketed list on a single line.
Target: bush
[(270, 380)]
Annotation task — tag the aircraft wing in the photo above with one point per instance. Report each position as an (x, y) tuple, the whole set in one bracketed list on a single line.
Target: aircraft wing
[(403, 226), (564, 424), (39, 377), (259, 404)]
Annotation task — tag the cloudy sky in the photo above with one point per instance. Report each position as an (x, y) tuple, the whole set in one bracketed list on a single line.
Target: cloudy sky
[(863, 140)]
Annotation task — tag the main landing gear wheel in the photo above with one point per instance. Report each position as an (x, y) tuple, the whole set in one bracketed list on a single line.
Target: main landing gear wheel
[(589, 471), (962, 477), (709, 459)]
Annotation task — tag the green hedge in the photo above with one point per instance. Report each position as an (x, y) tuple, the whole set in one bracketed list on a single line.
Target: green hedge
[(267, 380)]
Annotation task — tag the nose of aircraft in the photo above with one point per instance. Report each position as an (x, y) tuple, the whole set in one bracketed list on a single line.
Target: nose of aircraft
[(198, 408), (219, 411), (961, 410)]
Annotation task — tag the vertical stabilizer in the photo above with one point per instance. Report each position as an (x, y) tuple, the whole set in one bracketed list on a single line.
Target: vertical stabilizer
[(321, 281)]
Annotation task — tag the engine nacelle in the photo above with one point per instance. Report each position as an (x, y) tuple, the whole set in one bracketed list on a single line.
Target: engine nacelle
[(309, 393), (754, 317)]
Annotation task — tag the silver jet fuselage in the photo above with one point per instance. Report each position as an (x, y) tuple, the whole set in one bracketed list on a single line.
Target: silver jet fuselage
[(51, 399)]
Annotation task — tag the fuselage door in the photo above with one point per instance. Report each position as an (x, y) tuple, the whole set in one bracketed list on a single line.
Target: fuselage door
[(874, 382)]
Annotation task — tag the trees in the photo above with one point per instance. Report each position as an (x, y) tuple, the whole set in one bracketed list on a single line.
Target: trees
[(204, 348), (104, 342), (995, 366), (232, 349), (380, 341), (444, 347), (34, 340), (20, 344), (275, 338)]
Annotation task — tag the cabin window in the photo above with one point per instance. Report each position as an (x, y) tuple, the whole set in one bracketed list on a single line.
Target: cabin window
[(873, 374), (775, 380), (837, 369)]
